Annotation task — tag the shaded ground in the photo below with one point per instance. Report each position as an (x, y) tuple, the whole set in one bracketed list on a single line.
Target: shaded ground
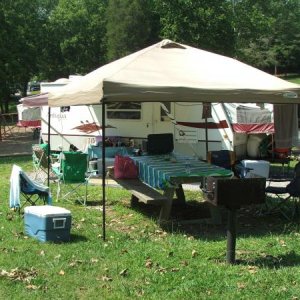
[(16, 141)]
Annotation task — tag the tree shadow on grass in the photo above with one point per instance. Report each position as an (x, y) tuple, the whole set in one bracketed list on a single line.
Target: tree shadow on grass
[(194, 219), (76, 238), (289, 259), (94, 203), (261, 260)]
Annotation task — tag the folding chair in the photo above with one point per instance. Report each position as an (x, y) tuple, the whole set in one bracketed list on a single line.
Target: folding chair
[(40, 162), (72, 172), (30, 190), (284, 191)]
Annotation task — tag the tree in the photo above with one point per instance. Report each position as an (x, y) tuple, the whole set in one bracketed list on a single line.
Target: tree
[(204, 24), (267, 33), (75, 38), (128, 27), (20, 40), (286, 35)]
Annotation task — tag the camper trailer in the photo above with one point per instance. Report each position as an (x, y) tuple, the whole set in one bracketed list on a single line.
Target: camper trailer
[(196, 128)]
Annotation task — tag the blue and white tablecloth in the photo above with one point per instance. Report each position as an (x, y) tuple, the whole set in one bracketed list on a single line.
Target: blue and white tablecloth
[(158, 170)]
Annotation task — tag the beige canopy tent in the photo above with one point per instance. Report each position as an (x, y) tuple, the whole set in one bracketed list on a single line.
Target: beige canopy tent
[(167, 72)]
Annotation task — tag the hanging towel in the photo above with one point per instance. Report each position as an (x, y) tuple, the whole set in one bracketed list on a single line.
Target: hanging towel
[(14, 193)]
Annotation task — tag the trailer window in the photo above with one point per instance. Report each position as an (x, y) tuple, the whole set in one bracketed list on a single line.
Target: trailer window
[(127, 110), (164, 114)]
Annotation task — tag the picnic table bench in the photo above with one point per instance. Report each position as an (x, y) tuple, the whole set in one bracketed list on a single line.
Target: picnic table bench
[(145, 194)]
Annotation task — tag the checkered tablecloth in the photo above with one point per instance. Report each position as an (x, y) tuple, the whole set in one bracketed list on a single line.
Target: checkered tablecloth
[(159, 170)]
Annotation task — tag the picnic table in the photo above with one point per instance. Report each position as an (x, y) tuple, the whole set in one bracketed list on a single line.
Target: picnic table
[(168, 173)]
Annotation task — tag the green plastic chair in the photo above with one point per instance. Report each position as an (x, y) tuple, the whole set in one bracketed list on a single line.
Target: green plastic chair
[(72, 173)]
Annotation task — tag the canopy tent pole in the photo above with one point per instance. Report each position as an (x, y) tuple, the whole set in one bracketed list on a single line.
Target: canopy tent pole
[(48, 167), (103, 171), (206, 136)]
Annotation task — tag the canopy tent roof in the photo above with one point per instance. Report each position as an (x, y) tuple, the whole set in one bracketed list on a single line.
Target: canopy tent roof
[(169, 71)]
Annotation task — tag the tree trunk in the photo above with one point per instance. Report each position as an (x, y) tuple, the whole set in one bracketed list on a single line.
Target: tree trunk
[(24, 89)]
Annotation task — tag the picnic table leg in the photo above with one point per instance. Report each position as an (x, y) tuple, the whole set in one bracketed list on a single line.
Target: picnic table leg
[(134, 201), (180, 195), (166, 207), (165, 211)]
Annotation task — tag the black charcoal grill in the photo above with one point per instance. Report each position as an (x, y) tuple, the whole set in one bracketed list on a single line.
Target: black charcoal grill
[(233, 193)]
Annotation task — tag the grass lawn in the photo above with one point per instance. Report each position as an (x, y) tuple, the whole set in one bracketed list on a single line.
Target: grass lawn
[(140, 259)]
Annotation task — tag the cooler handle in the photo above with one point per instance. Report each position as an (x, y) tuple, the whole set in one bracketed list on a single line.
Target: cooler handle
[(59, 223)]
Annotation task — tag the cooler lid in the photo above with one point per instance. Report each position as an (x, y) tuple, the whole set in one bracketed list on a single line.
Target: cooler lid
[(253, 162), (46, 211)]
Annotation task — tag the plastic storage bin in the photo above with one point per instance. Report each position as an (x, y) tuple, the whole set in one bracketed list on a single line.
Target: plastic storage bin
[(47, 223)]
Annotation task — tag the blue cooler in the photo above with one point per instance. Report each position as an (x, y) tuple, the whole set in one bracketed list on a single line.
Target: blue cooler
[(47, 223)]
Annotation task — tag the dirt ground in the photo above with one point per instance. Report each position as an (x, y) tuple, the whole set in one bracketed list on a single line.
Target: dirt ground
[(16, 141)]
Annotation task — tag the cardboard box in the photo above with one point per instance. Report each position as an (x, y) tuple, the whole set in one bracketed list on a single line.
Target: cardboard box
[(47, 223)]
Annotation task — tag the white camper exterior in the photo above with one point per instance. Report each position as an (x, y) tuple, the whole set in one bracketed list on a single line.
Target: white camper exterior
[(193, 133)]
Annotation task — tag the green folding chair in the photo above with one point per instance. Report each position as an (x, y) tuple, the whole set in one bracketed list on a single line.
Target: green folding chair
[(73, 174)]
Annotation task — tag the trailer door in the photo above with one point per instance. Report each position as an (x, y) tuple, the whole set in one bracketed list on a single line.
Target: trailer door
[(161, 122)]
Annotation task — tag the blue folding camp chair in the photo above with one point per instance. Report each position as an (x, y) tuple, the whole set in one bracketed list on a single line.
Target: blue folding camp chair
[(287, 194), (26, 191)]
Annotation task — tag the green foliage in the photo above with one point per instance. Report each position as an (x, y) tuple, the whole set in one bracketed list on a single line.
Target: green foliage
[(21, 41), (49, 39), (267, 33), (76, 38), (128, 27), (203, 24)]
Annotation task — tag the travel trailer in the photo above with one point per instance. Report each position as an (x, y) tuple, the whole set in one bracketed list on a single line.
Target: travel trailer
[(196, 127)]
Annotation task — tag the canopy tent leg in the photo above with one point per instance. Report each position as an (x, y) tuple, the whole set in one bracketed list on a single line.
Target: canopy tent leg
[(49, 145), (103, 173)]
